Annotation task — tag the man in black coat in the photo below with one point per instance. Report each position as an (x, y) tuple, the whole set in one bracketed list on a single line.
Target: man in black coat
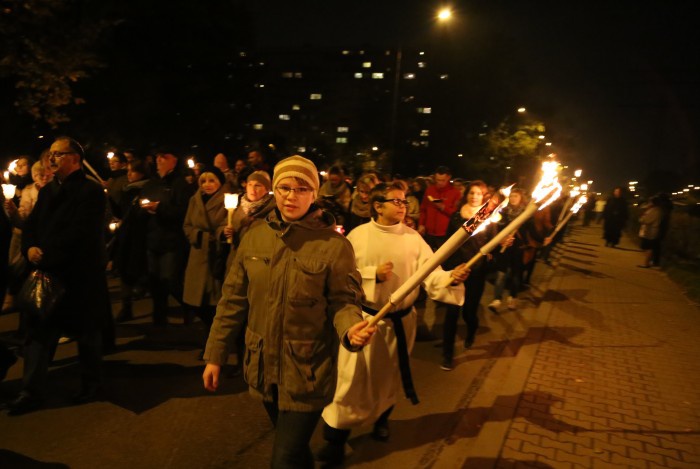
[(165, 198), (64, 237)]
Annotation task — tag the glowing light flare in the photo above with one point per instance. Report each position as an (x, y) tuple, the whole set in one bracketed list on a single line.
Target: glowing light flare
[(9, 190), (230, 201), (496, 214), (110, 155), (579, 203), (548, 188), (190, 163), (444, 14)]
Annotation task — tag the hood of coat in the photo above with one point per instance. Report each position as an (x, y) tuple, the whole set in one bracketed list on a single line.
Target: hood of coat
[(315, 219)]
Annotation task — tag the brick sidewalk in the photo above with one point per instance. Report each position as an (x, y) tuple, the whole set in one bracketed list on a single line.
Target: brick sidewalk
[(615, 378)]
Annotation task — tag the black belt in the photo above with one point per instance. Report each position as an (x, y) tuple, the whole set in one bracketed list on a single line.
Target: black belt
[(402, 348)]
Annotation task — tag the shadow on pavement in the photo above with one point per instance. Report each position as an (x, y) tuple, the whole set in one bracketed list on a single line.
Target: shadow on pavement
[(10, 459), (581, 270), (580, 261), (447, 428), (483, 463)]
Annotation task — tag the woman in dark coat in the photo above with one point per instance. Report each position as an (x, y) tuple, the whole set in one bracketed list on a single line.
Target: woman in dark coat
[(475, 195), (614, 218)]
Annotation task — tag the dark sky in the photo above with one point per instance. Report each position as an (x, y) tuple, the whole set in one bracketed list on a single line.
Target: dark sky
[(616, 82)]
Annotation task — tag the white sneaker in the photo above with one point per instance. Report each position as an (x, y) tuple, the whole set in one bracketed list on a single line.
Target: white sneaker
[(511, 303), (494, 305)]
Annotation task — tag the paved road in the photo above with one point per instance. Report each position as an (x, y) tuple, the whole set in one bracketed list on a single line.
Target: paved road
[(598, 367)]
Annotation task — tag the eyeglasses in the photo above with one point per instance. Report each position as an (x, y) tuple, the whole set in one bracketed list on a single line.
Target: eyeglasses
[(397, 202), (285, 190), (60, 154)]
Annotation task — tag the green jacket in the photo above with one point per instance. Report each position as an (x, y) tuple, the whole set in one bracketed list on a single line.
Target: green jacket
[(299, 289)]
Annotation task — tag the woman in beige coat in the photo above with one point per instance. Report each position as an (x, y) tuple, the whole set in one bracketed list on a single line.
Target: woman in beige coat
[(202, 226)]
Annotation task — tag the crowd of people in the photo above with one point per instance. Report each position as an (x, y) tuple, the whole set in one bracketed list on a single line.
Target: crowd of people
[(288, 280)]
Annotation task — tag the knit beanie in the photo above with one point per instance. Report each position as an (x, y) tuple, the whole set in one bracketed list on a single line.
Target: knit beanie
[(216, 172), (297, 167), (262, 177)]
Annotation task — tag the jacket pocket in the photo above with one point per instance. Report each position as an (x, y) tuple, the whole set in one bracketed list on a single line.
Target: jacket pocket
[(253, 365), (308, 369), (307, 282)]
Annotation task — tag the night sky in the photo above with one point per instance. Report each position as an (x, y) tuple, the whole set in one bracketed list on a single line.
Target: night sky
[(616, 82)]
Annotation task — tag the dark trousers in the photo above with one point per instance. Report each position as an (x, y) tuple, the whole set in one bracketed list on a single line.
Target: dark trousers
[(293, 432), (474, 289), (165, 272), (39, 352)]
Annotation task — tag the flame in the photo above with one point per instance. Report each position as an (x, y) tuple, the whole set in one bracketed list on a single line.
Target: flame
[(548, 189), (13, 167), (230, 201), (495, 216), (579, 203)]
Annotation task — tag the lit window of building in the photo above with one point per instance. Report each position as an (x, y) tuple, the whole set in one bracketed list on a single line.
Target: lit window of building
[(242, 54), (425, 133), (377, 76), (366, 64), (297, 74), (341, 140), (425, 110), (409, 76), (257, 126), (287, 74), (444, 76), (284, 117), (296, 107), (424, 143), (315, 96), (301, 149), (343, 129), (346, 52), (422, 65), (358, 75)]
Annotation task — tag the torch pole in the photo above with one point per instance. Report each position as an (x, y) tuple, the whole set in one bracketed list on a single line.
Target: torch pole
[(561, 224), (504, 233), (92, 170)]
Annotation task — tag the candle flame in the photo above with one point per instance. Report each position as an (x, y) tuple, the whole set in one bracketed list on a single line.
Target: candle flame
[(190, 163), (13, 167), (548, 188), (8, 190), (230, 201), (579, 203)]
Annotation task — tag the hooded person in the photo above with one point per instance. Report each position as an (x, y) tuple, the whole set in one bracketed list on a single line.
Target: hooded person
[(293, 280)]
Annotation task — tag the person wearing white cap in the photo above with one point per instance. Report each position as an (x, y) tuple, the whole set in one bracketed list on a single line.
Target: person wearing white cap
[(294, 280)]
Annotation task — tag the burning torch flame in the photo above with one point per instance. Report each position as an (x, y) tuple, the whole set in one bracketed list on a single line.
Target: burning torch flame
[(548, 189), (496, 214), (579, 203)]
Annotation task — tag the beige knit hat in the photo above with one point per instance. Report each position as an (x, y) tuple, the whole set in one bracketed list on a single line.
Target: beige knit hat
[(262, 177), (297, 167)]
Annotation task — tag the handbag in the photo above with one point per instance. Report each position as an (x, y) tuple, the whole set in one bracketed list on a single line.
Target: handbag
[(39, 294)]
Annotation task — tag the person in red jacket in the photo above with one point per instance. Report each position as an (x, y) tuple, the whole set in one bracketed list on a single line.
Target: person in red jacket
[(438, 205)]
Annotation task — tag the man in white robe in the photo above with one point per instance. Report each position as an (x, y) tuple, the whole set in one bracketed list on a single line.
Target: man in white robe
[(387, 253)]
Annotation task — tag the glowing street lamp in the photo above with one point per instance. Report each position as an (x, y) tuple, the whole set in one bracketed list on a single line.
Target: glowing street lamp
[(577, 173), (445, 14), (521, 110)]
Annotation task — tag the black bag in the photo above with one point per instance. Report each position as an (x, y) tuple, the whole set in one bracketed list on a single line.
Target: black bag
[(39, 294)]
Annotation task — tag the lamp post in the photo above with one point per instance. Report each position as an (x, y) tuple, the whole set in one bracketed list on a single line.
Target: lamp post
[(444, 15)]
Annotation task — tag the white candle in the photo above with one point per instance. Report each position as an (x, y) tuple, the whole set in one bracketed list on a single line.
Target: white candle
[(230, 203), (8, 190)]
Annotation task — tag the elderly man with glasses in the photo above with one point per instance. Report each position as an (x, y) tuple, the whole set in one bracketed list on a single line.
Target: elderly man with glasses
[(63, 236)]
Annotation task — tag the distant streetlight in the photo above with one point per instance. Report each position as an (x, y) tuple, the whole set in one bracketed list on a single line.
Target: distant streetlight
[(445, 14), (577, 173), (521, 110)]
